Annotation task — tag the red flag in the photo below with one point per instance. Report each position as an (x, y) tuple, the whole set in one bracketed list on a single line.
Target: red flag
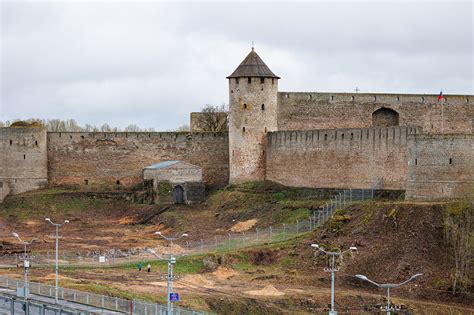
[(440, 96)]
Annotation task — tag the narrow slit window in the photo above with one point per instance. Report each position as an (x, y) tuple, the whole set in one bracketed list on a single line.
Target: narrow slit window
[(332, 97), (36, 142), (450, 161), (117, 182), (416, 161), (236, 80), (86, 182), (24, 157), (243, 129), (325, 137), (245, 106), (263, 106), (11, 142), (398, 98), (249, 80), (352, 98), (262, 80)]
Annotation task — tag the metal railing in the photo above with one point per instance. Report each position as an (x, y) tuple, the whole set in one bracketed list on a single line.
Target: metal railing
[(218, 243), (102, 301), (16, 305)]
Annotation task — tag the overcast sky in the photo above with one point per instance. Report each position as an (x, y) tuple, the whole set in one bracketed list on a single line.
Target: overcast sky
[(151, 63)]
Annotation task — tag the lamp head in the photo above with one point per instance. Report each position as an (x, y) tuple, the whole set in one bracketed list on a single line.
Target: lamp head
[(362, 277), (48, 219), (15, 234), (158, 232), (185, 235), (353, 248), (315, 245), (66, 221)]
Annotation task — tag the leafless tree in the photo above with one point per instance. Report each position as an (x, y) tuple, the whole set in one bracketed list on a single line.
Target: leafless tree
[(213, 118), (459, 229)]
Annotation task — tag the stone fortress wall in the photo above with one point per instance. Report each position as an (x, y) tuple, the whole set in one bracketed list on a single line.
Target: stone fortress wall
[(440, 166), (76, 158), (340, 158), (306, 111), (23, 159)]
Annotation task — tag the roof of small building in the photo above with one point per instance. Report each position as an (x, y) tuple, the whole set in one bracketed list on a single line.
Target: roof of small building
[(165, 164), (253, 66)]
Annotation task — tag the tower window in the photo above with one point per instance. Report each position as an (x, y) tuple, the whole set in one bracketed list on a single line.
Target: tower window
[(325, 137), (24, 157), (375, 98), (352, 135), (273, 81), (310, 96), (86, 182), (249, 80), (450, 161), (398, 98), (36, 142), (82, 137), (11, 142), (117, 182), (243, 129), (263, 152), (265, 129), (342, 136), (262, 80), (236, 80), (422, 98), (263, 106), (245, 105), (332, 97), (416, 161)]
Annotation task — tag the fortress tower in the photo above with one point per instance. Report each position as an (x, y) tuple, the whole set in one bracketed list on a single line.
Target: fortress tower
[(253, 91)]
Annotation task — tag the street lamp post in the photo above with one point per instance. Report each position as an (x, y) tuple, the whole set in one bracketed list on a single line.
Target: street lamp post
[(388, 286), (56, 288), (333, 269), (171, 261), (26, 263)]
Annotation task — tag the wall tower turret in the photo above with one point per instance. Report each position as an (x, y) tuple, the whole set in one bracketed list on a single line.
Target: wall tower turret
[(253, 91)]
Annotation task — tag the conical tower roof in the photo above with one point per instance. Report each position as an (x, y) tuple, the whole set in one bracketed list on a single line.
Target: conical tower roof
[(253, 66)]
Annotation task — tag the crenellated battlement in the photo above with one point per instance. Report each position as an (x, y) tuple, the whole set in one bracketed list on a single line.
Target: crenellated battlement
[(171, 136), (351, 138)]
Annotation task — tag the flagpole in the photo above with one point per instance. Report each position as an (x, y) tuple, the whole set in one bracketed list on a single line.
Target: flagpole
[(442, 117)]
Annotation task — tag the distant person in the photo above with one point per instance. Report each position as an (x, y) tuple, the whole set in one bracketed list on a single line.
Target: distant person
[(148, 267), (139, 266)]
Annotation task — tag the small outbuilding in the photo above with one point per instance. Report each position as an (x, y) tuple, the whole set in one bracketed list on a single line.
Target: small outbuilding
[(175, 182)]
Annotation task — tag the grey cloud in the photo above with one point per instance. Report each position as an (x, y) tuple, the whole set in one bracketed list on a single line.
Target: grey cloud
[(152, 63)]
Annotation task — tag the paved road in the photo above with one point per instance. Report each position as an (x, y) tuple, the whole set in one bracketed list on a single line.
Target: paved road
[(43, 300)]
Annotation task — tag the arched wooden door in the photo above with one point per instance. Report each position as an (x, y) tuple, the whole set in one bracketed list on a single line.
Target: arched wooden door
[(178, 194)]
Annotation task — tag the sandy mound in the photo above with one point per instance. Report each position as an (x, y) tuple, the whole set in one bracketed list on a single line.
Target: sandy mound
[(243, 225), (198, 280), (127, 220), (223, 273), (269, 290)]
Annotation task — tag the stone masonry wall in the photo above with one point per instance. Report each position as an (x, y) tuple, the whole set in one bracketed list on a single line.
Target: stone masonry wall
[(308, 111), (340, 158), (440, 167), (105, 158), (23, 160)]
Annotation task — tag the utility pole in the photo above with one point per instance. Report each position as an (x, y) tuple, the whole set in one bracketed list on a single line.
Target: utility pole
[(171, 262), (388, 286), (56, 288), (26, 264), (333, 269)]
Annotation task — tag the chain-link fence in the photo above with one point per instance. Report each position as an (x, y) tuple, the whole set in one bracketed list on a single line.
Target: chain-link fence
[(102, 301), (218, 243)]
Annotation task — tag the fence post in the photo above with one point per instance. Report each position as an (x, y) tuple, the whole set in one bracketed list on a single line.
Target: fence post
[(116, 303), (87, 299), (297, 227), (284, 231), (102, 302)]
